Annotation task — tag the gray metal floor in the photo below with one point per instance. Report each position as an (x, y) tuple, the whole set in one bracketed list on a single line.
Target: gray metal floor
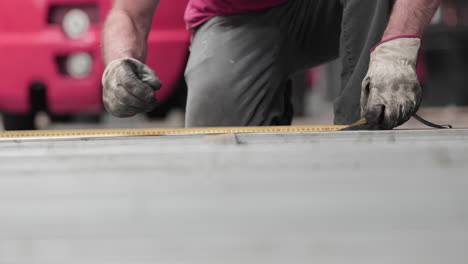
[(349, 197)]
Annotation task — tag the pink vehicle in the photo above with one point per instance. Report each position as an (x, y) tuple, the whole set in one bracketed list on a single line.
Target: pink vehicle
[(51, 59)]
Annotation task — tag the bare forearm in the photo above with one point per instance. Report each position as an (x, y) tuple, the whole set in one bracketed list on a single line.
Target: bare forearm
[(410, 17), (126, 30), (120, 39)]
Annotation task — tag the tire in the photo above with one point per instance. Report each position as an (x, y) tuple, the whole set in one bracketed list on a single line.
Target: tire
[(178, 99), (299, 88), (61, 118), (88, 118), (18, 121)]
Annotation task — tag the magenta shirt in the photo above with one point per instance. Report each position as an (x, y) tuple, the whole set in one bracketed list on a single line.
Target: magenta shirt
[(199, 11)]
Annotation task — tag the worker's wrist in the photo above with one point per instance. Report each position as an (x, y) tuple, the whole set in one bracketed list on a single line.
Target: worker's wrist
[(129, 54)]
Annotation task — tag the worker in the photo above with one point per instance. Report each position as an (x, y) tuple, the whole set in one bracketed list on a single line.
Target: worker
[(244, 51)]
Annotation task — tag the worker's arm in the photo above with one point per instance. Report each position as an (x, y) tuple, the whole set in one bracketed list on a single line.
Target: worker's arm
[(128, 84), (126, 29), (410, 17), (391, 93)]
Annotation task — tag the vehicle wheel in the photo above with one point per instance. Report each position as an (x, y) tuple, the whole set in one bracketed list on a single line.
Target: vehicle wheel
[(61, 118), (18, 121), (88, 118), (299, 88), (177, 99)]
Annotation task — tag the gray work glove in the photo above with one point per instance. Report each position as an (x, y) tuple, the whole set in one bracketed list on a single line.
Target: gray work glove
[(128, 88), (391, 93)]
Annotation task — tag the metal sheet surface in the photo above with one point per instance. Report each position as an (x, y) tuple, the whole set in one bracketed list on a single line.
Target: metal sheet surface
[(350, 197)]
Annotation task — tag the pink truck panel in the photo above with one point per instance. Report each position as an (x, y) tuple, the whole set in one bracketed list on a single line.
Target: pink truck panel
[(31, 46)]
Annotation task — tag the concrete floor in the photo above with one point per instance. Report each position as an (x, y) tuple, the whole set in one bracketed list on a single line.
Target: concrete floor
[(345, 197)]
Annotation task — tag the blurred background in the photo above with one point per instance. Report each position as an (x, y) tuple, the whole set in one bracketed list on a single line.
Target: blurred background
[(51, 68)]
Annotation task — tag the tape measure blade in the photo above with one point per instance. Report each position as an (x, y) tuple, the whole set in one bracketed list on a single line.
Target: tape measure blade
[(162, 131)]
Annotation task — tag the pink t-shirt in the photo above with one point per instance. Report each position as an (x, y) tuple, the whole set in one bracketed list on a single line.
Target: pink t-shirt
[(199, 11)]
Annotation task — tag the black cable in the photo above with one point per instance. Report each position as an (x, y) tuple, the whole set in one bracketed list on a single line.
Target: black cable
[(430, 124)]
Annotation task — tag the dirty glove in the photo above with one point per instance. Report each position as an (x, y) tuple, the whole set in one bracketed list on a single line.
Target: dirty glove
[(391, 93), (128, 88)]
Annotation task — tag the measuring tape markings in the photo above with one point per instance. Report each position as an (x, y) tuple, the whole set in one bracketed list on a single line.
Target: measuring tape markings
[(90, 133), (163, 131), (166, 131)]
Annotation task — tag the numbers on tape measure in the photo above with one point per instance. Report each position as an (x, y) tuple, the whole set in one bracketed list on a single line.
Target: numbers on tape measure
[(159, 132)]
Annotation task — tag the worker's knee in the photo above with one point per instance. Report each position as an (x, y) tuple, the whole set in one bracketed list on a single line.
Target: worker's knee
[(215, 100), (225, 99)]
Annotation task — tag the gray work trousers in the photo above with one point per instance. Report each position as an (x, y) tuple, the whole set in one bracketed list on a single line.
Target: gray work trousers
[(239, 65)]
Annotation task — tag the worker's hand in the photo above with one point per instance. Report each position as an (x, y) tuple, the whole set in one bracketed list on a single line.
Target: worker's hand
[(128, 88), (391, 93)]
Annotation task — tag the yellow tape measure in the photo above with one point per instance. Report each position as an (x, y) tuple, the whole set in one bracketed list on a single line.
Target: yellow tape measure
[(91, 133)]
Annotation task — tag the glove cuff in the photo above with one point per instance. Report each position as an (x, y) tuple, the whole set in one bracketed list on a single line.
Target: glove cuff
[(394, 38), (401, 49), (117, 61)]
